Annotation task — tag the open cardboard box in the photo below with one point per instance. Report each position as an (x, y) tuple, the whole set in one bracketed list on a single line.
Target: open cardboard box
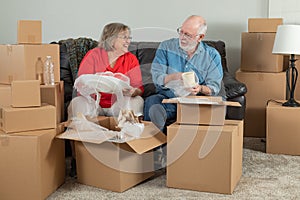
[(54, 95), (206, 110), (115, 166)]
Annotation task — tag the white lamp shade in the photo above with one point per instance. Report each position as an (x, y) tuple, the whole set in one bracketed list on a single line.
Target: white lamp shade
[(287, 40)]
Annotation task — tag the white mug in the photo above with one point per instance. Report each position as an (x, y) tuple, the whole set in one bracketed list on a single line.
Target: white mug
[(189, 79)]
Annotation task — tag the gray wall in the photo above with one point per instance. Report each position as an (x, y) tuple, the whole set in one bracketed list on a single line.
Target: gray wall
[(149, 20)]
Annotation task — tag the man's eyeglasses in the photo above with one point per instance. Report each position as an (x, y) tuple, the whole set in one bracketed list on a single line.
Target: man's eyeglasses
[(186, 35), (124, 37)]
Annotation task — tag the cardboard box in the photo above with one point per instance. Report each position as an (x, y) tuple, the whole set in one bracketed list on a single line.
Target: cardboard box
[(32, 164), (205, 158), (25, 93), (17, 62), (257, 56), (54, 95), (111, 165), (27, 119), (205, 110), (264, 25), (5, 95), (29, 32), (283, 129), (261, 87)]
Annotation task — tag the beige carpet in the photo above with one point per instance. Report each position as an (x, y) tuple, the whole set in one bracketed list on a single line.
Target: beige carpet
[(265, 176)]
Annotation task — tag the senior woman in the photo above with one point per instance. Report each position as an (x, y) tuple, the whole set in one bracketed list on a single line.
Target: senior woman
[(112, 55)]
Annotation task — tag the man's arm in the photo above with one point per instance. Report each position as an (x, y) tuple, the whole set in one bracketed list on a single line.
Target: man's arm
[(214, 74), (160, 68)]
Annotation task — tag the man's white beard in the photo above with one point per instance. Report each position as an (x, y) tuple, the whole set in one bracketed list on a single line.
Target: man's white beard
[(189, 47)]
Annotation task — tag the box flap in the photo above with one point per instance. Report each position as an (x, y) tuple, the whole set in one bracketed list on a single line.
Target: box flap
[(151, 137), (85, 136), (201, 101)]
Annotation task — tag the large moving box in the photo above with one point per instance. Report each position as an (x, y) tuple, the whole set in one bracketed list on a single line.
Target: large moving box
[(205, 158), (261, 87), (111, 165), (18, 62), (256, 53), (32, 164), (283, 129)]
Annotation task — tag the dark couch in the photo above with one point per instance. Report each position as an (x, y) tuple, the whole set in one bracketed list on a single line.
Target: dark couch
[(73, 50)]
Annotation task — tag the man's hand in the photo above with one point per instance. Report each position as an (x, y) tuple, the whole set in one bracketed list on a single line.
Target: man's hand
[(195, 90), (200, 89)]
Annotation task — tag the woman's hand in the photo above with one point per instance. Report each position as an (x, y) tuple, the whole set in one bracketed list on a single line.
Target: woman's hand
[(132, 92), (127, 92)]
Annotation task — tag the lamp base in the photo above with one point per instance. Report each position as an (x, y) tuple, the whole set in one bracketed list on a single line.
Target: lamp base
[(291, 103)]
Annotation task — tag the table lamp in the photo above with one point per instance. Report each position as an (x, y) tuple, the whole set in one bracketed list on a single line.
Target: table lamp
[(287, 42)]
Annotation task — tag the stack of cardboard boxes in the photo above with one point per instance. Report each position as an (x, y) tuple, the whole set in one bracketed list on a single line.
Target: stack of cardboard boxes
[(32, 160), (262, 72), (282, 123), (204, 151)]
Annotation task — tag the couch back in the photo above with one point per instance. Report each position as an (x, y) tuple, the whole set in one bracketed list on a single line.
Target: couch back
[(145, 52), (73, 50)]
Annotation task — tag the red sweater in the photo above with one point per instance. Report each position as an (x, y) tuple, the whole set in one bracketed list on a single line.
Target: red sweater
[(96, 60)]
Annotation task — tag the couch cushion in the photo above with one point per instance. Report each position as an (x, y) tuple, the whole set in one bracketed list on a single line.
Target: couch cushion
[(145, 54), (220, 47), (146, 51), (133, 48)]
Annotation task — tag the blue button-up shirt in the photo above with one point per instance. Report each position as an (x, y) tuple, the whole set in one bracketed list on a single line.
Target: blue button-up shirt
[(206, 63)]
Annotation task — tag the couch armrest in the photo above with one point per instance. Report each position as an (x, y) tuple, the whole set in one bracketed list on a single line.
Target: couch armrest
[(236, 113), (233, 87)]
